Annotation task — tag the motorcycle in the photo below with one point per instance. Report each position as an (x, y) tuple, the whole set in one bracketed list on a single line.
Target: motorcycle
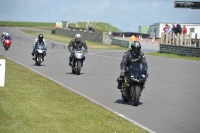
[(6, 43), (39, 54), (77, 61), (133, 82)]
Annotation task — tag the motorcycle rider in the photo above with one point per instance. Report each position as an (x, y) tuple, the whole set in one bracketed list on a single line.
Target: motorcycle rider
[(76, 43), (133, 55), (2, 36), (6, 37), (41, 40)]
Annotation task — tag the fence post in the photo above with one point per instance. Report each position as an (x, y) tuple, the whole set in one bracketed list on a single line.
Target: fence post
[(166, 38), (181, 39), (173, 38), (195, 40), (177, 39), (170, 40), (162, 40)]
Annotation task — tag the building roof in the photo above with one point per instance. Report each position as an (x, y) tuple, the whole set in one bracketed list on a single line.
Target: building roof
[(194, 24)]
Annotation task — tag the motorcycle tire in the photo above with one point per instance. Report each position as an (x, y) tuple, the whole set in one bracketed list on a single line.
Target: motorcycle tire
[(136, 94), (78, 69), (124, 98)]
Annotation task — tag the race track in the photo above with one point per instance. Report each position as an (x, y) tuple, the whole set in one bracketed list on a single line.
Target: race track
[(169, 104)]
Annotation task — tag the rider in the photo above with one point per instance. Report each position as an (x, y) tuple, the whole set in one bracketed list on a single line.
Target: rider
[(133, 55), (41, 40), (2, 36), (6, 37), (76, 43)]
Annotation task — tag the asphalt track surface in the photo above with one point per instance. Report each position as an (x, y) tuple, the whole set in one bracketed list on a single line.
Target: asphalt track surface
[(169, 104)]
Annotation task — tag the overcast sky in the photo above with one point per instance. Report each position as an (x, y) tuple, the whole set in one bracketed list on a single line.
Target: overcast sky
[(127, 15)]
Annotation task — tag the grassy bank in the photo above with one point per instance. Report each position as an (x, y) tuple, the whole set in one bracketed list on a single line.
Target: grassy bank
[(105, 27), (168, 55), (31, 103)]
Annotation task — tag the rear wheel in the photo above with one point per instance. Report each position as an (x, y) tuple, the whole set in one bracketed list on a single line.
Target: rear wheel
[(124, 98), (73, 71)]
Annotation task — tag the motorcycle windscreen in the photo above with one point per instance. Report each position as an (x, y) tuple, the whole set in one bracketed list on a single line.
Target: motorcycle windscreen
[(40, 46), (7, 38), (136, 69), (78, 49)]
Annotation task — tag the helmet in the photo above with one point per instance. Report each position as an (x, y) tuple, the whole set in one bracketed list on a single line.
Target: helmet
[(40, 37), (78, 37), (136, 47), (6, 34)]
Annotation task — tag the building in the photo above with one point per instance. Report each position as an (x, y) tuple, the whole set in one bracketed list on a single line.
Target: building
[(156, 29), (144, 29), (62, 24)]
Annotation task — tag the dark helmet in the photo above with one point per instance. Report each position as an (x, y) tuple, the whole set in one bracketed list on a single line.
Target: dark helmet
[(40, 37), (78, 37), (136, 47)]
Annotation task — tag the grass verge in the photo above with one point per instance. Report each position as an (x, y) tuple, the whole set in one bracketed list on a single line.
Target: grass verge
[(168, 55), (31, 103)]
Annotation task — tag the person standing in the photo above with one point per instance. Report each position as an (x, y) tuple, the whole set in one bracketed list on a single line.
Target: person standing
[(184, 30)]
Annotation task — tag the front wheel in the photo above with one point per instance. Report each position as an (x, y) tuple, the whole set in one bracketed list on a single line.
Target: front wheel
[(78, 69), (135, 93), (38, 60)]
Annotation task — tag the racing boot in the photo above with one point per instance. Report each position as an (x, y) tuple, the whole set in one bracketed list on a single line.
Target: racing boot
[(119, 86), (120, 80)]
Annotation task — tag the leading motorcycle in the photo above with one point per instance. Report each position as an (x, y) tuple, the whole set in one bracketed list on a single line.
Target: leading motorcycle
[(39, 57), (77, 61), (6, 43), (133, 82)]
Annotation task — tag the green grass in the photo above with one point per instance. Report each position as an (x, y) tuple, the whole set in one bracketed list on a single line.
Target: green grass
[(169, 55), (32, 103), (105, 27), (43, 25), (64, 39)]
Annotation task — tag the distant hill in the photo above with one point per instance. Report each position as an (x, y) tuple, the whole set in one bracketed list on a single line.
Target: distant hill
[(105, 27)]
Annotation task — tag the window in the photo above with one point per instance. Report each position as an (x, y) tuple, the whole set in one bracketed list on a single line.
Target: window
[(192, 30)]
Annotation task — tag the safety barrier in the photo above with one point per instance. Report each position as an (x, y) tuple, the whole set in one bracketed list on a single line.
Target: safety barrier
[(181, 50), (118, 42)]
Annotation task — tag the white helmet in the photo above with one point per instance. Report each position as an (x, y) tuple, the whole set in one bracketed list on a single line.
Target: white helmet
[(7, 34), (78, 37), (4, 33)]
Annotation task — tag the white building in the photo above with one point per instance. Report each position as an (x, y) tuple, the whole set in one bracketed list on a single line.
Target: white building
[(156, 29)]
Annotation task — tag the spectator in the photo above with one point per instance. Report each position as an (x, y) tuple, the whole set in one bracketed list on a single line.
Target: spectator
[(110, 34), (90, 27), (99, 30), (165, 28), (169, 30), (174, 30), (184, 30), (178, 28), (132, 39)]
